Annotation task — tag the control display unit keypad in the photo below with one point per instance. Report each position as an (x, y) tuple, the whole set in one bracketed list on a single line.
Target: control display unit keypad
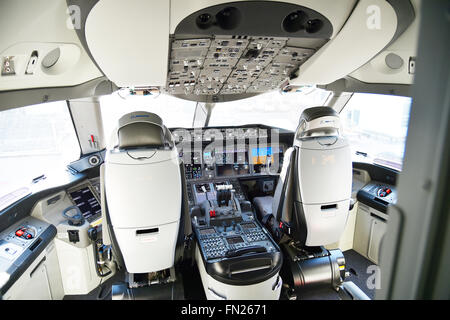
[(233, 245)]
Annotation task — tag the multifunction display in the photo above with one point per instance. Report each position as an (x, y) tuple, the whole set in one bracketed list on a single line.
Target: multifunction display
[(88, 204)]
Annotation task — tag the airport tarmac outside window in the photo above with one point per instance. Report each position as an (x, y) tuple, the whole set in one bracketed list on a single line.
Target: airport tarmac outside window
[(376, 126), (35, 140)]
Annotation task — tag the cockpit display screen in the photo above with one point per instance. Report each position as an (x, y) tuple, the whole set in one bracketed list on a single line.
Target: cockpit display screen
[(248, 225), (207, 231), (85, 200), (232, 163), (234, 240), (259, 155)]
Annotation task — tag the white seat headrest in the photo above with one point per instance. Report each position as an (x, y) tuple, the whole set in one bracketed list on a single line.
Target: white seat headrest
[(142, 129), (318, 121)]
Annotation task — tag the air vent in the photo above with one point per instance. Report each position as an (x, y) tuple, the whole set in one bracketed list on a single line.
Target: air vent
[(256, 18), (295, 21), (204, 21), (228, 18), (313, 26)]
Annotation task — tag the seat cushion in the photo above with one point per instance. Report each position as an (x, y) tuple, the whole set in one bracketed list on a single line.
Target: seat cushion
[(263, 206)]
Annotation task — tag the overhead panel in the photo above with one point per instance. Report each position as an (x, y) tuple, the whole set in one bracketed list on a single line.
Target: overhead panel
[(232, 65), (241, 48)]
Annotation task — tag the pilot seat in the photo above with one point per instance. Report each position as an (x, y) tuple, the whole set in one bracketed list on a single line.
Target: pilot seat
[(144, 195), (310, 205)]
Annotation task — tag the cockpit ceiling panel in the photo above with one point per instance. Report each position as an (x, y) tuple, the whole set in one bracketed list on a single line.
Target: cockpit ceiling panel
[(257, 18), (232, 64), (336, 12)]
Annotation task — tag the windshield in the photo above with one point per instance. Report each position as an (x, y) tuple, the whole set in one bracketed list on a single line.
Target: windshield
[(34, 140), (376, 126), (173, 111), (281, 110), (275, 109)]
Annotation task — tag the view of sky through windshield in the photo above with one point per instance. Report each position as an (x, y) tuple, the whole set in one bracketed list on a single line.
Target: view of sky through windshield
[(375, 125), (275, 109), (174, 112), (281, 110), (35, 140)]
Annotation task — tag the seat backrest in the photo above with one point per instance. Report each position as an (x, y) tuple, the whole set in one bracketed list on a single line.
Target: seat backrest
[(313, 196), (143, 192)]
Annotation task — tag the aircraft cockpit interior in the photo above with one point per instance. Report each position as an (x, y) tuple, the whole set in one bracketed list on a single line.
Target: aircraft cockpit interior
[(216, 150)]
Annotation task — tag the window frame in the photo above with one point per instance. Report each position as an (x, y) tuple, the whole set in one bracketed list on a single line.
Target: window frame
[(370, 160), (76, 131), (29, 183)]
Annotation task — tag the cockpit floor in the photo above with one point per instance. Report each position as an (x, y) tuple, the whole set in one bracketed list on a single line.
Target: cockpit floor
[(360, 272), (359, 275), (356, 264), (102, 292)]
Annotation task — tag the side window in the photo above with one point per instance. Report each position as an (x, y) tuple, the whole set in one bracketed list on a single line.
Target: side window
[(34, 140), (376, 126)]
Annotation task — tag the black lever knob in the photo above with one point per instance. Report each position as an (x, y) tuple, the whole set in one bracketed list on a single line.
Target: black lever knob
[(92, 233), (196, 211)]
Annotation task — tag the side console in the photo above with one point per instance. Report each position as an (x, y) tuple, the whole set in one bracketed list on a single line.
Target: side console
[(27, 258), (372, 218), (236, 256), (378, 195)]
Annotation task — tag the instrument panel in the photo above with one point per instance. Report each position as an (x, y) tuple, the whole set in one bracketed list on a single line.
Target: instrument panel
[(201, 191), (229, 65), (85, 197), (228, 152), (243, 162)]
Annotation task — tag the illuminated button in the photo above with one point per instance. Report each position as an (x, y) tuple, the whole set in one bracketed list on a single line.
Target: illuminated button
[(19, 233)]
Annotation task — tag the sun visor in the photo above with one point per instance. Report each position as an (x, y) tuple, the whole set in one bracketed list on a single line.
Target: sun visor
[(129, 40), (369, 29)]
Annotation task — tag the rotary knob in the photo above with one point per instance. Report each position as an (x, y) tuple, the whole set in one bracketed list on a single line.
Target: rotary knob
[(94, 160)]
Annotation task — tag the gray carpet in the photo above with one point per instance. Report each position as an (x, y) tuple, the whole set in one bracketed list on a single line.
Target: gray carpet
[(355, 263), (359, 273), (319, 294), (102, 292)]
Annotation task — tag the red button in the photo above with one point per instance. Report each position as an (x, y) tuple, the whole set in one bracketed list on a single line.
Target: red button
[(212, 213), (281, 224), (28, 236), (19, 233), (388, 191)]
